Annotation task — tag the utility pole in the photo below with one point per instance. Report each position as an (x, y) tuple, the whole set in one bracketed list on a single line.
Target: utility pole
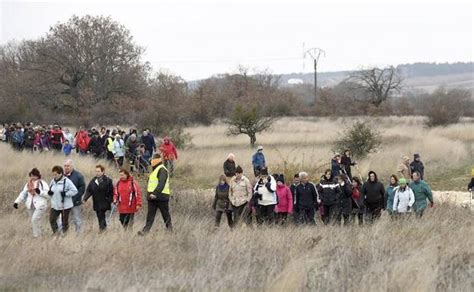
[(315, 53)]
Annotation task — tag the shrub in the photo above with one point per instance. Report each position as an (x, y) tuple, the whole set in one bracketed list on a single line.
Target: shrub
[(445, 107), (360, 138)]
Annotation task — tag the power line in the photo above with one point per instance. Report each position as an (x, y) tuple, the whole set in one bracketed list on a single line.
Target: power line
[(200, 61)]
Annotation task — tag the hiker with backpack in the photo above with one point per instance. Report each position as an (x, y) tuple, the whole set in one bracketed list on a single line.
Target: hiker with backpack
[(389, 193), (101, 189), (373, 193), (336, 165), (221, 203), (404, 198), (78, 180), (35, 196), (330, 191), (422, 193), (61, 191), (127, 198), (307, 200), (264, 197), (258, 161)]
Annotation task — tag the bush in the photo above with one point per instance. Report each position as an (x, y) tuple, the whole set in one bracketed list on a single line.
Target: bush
[(446, 107), (360, 138)]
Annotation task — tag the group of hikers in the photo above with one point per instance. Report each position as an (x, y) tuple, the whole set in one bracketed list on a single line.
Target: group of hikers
[(115, 145), (68, 191), (339, 197)]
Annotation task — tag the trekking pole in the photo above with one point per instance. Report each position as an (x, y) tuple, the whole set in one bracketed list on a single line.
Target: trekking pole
[(114, 208)]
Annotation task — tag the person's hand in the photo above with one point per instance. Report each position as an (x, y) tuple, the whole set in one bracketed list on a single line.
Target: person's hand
[(431, 204), (50, 193), (114, 202), (152, 196), (15, 205), (139, 207)]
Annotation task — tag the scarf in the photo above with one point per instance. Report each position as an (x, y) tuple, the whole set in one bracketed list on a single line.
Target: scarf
[(31, 187)]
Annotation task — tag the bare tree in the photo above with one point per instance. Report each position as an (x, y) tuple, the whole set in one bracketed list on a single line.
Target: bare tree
[(249, 122), (379, 84)]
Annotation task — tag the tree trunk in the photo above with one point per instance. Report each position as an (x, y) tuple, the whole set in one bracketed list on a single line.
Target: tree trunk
[(253, 139)]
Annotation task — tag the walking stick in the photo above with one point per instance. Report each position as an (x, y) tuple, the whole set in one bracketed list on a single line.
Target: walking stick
[(114, 209)]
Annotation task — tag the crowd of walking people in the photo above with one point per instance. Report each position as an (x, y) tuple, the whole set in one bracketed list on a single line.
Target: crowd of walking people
[(339, 197)]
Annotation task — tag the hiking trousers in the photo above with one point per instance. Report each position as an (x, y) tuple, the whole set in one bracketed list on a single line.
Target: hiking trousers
[(153, 207)]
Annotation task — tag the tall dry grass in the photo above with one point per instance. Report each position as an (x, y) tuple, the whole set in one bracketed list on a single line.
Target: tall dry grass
[(435, 253), (306, 144)]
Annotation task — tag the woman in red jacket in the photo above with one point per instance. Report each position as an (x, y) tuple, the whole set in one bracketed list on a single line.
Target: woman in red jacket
[(128, 197), (285, 200)]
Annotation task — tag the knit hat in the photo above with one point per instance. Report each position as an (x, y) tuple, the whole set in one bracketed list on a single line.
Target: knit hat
[(402, 182), (259, 148), (416, 156), (155, 162), (281, 178), (406, 158)]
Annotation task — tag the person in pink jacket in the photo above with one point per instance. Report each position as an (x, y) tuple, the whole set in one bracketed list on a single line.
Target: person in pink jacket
[(285, 200)]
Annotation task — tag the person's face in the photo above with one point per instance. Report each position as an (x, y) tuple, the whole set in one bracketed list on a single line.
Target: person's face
[(68, 167), (327, 175), (279, 183), (296, 180), (340, 181), (34, 177), (231, 158), (418, 159), (304, 179), (348, 153), (57, 175), (122, 176), (354, 184), (392, 180), (238, 175), (98, 172), (372, 177), (416, 177), (222, 181), (338, 158)]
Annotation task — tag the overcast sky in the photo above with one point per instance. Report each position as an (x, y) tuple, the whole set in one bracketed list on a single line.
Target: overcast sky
[(196, 39)]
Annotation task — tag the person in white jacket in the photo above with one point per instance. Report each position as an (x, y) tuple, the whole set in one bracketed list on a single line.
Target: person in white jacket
[(35, 196), (265, 195), (61, 191), (404, 197), (119, 150)]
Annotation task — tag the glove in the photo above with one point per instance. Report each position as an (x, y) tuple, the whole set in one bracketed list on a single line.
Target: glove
[(50, 193), (37, 190), (15, 206)]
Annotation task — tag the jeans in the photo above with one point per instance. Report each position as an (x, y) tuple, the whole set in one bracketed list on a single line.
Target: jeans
[(53, 217), (77, 217), (229, 218), (153, 207), (36, 216)]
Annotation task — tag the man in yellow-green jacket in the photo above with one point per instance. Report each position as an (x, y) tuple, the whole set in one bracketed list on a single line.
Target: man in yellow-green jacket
[(158, 195)]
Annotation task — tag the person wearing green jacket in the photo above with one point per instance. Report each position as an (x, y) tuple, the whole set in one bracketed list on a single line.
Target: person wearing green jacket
[(422, 193), (389, 191)]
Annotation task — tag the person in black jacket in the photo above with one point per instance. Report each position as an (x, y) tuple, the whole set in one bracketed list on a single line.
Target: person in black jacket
[(229, 166), (330, 192), (306, 200), (345, 199), (101, 189), (417, 165), (373, 193), (346, 163)]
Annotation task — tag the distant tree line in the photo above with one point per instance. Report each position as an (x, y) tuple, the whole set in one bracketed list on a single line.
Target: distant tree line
[(89, 70)]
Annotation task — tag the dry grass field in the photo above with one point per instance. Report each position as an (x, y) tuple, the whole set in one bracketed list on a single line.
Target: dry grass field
[(435, 253)]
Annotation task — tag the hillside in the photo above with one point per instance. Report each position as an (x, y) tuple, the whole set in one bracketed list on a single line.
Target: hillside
[(417, 76)]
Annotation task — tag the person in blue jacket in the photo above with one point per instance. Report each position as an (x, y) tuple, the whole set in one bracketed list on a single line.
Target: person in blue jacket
[(258, 161)]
